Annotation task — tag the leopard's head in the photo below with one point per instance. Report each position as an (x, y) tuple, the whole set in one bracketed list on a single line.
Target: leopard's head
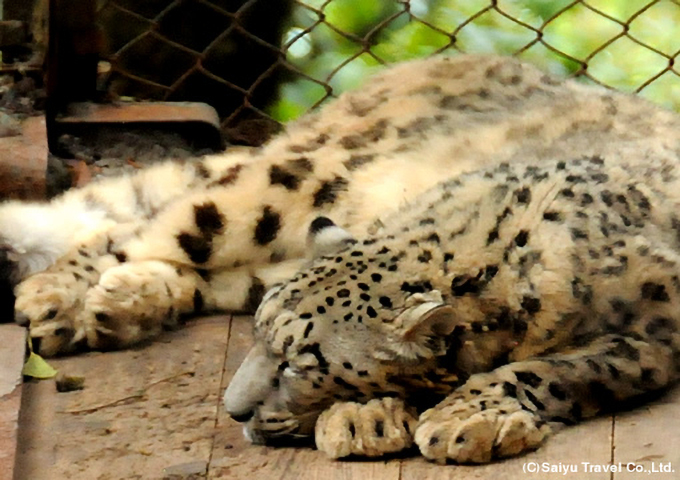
[(352, 326)]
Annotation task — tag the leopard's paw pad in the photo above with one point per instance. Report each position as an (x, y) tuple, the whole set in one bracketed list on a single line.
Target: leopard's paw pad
[(479, 437), (373, 429), (48, 304)]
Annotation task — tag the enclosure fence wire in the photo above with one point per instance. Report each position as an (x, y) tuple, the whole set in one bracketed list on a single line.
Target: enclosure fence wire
[(237, 54)]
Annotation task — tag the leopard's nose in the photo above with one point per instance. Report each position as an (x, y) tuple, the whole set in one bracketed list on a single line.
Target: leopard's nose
[(242, 417), (21, 318)]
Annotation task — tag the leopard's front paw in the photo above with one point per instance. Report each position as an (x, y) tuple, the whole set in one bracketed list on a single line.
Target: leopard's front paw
[(462, 432), (134, 301), (48, 303), (380, 426)]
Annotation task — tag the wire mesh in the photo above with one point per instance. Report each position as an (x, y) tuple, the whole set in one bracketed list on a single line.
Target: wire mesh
[(238, 55)]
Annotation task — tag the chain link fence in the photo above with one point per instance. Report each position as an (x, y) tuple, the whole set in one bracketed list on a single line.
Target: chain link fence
[(275, 59)]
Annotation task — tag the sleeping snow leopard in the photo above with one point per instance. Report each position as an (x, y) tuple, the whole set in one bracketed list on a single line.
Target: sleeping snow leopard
[(114, 263), (495, 303)]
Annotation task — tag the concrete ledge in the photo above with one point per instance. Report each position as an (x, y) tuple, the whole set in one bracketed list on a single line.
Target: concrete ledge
[(12, 351)]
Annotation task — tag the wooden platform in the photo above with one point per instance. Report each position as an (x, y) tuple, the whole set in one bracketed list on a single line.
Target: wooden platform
[(156, 413), (12, 348)]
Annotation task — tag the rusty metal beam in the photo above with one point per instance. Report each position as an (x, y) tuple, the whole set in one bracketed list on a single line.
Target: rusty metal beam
[(143, 112), (198, 122)]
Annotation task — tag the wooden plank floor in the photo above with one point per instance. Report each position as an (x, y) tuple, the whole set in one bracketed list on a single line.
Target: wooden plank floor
[(12, 350), (155, 413)]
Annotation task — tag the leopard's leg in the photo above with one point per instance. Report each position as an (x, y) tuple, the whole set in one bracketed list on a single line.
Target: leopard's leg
[(223, 227), (504, 412), (53, 301), (96, 297), (135, 301), (381, 426), (34, 235)]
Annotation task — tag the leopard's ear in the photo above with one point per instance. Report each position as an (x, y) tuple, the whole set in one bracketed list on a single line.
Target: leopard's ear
[(422, 329), (430, 319), (325, 237)]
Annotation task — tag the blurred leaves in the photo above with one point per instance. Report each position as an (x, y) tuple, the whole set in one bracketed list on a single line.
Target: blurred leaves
[(624, 44)]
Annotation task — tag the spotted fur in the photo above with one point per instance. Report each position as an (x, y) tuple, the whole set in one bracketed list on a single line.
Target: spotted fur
[(114, 263), (491, 306)]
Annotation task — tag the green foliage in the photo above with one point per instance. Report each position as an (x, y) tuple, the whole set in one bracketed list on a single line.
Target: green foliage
[(624, 44)]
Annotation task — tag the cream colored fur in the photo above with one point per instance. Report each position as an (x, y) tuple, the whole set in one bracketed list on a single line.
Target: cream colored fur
[(356, 160)]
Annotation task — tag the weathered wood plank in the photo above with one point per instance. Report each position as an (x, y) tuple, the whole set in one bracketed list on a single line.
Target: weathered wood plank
[(234, 458), (588, 442), (35, 447), (164, 427), (145, 413), (11, 362), (649, 437)]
